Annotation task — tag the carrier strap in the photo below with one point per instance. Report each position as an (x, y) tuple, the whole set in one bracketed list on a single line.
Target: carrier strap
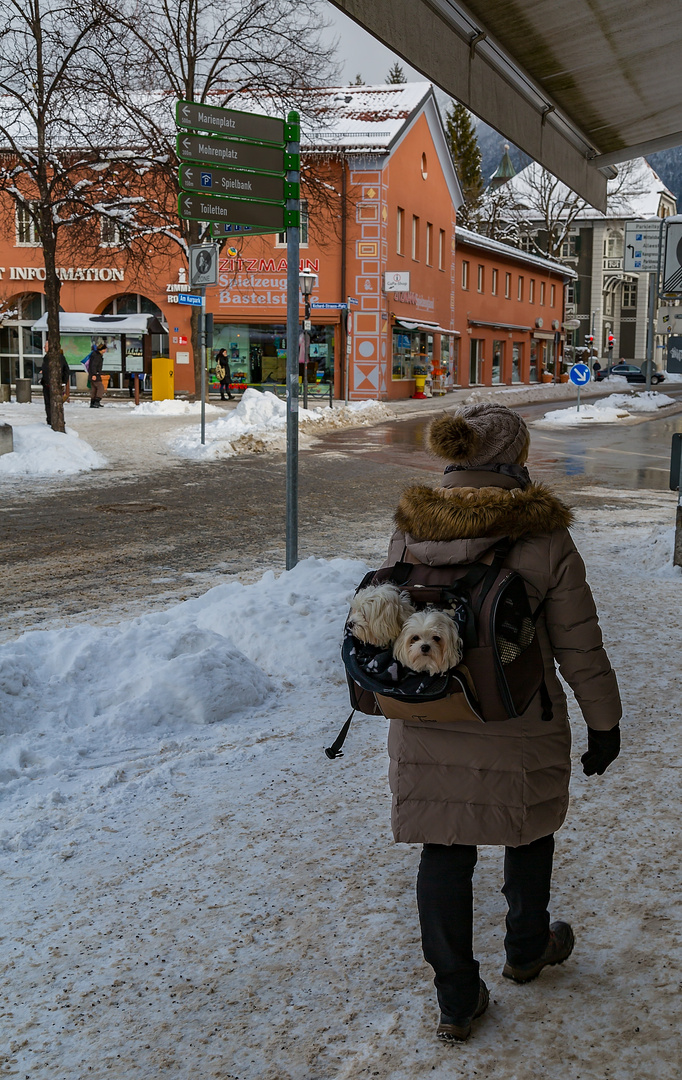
[(335, 750), (546, 702)]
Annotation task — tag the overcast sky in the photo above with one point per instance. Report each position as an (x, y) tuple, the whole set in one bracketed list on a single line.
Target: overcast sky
[(360, 53)]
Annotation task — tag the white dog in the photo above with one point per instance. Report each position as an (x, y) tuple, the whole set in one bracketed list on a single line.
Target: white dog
[(428, 641), (377, 614)]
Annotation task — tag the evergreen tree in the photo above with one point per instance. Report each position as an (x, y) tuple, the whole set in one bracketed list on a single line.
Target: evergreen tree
[(463, 141), (358, 81), (396, 74)]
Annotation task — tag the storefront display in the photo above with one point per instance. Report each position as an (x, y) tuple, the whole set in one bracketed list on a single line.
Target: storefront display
[(258, 353), (412, 354)]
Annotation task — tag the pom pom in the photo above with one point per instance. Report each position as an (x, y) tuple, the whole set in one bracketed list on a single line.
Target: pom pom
[(452, 438)]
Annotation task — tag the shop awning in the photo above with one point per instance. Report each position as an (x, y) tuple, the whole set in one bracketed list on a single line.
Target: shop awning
[(579, 86), (498, 325), (426, 327), (78, 322)]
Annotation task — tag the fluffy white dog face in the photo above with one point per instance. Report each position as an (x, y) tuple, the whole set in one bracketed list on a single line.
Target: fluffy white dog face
[(428, 641), (377, 614)]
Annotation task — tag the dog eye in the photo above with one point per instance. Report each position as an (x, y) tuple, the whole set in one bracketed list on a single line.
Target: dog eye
[(415, 638), (436, 638)]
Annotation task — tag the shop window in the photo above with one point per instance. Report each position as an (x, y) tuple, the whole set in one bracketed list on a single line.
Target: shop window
[(27, 229), (441, 249), (303, 234), (498, 361), (481, 278), (507, 286), (493, 288), (400, 231), (517, 350), (531, 291), (442, 374), (412, 354), (21, 348), (475, 361), (519, 289), (542, 292), (415, 237), (465, 274), (533, 370), (429, 243), (258, 354)]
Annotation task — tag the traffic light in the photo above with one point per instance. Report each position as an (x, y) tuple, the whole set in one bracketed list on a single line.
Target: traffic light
[(589, 339), (611, 341)]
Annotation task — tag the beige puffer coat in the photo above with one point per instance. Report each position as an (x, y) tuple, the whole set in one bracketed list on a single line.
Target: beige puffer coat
[(500, 783)]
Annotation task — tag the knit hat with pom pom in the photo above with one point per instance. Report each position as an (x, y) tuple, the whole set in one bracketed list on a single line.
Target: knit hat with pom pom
[(481, 434)]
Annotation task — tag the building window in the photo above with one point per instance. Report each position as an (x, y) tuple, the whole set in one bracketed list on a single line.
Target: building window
[(569, 248), (608, 303), (475, 360), (400, 231), (480, 281), (507, 285), (27, 231), (110, 232), (542, 292), (613, 245), (412, 354), (526, 243), (465, 275), (519, 289), (573, 292), (303, 234), (531, 291), (21, 347), (517, 352), (552, 295), (629, 295), (415, 237), (441, 249), (493, 287), (429, 243)]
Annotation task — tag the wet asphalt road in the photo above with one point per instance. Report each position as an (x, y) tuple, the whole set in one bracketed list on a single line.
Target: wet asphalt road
[(115, 548)]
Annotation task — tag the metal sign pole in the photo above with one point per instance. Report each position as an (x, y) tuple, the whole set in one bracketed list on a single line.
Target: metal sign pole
[(653, 290), (202, 350), (293, 207)]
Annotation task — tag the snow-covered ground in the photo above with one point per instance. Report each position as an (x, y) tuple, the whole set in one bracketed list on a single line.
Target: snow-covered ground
[(192, 889), (39, 451), (259, 424), (608, 410)]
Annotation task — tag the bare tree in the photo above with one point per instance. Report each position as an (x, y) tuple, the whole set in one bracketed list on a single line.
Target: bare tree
[(269, 52), (50, 134)]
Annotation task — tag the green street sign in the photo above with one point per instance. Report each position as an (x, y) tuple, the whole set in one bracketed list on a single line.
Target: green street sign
[(237, 155), (230, 123), (209, 208), (236, 184), (229, 230)]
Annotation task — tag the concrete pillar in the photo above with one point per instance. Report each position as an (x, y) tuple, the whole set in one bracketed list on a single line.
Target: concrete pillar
[(5, 392), (6, 439), (23, 391)]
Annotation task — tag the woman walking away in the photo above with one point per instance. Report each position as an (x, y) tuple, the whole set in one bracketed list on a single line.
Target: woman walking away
[(222, 370), (457, 785), (95, 364)]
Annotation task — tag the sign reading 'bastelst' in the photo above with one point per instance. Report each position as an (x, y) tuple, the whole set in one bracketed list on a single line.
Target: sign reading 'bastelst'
[(230, 122)]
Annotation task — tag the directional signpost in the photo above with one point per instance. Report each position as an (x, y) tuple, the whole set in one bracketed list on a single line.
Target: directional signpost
[(579, 374), (241, 172)]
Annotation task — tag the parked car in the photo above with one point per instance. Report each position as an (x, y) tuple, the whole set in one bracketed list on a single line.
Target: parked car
[(631, 372)]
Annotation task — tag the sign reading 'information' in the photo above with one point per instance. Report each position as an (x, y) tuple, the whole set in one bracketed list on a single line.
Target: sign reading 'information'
[(229, 122), (238, 155), (208, 208)]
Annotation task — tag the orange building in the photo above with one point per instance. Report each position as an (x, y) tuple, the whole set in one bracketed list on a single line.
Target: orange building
[(509, 311)]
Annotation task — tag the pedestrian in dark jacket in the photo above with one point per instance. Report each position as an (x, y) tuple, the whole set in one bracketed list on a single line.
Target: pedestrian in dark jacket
[(222, 370), (461, 784), (45, 381), (96, 362)]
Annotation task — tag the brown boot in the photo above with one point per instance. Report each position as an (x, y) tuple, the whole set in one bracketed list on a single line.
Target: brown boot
[(559, 948), (452, 1030)]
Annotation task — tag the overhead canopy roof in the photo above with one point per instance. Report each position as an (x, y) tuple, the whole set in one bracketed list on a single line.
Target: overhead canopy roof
[(78, 322), (579, 86)]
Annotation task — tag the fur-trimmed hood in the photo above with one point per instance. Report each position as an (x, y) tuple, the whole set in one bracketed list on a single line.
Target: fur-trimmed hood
[(499, 508)]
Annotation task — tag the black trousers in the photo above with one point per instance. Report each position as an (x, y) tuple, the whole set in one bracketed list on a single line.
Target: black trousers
[(446, 906), (46, 399)]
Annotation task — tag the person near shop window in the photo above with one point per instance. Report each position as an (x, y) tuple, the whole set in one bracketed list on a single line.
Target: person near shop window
[(45, 381), (222, 370), (95, 364)]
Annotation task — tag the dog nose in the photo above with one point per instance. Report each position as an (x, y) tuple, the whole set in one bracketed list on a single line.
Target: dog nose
[(426, 648)]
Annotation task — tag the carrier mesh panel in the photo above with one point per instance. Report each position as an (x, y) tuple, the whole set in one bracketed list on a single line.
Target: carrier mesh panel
[(514, 627)]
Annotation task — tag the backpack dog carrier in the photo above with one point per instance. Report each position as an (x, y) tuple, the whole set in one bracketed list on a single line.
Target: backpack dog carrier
[(501, 669)]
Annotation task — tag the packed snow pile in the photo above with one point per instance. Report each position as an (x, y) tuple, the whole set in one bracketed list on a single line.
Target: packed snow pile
[(607, 410), (258, 424), (40, 451), (171, 407)]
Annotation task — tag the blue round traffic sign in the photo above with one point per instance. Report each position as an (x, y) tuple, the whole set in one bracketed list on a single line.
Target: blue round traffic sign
[(579, 374)]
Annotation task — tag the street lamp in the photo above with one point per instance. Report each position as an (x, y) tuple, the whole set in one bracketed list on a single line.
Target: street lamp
[(307, 281)]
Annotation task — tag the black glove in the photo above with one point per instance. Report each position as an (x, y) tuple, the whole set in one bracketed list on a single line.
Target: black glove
[(603, 747)]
